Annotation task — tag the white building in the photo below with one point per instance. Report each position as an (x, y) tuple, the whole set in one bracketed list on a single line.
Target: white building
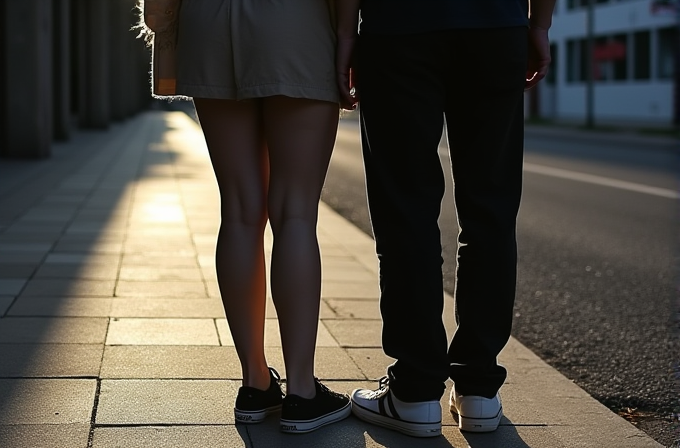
[(634, 51)]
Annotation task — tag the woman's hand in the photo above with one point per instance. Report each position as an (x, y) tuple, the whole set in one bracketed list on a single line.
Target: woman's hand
[(346, 72)]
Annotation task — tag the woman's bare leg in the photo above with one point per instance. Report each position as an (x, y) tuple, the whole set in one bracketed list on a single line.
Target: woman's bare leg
[(235, 138), (300, 137)]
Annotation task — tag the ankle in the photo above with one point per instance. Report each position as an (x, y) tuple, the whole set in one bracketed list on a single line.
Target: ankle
[(257, 378), (303, 389)]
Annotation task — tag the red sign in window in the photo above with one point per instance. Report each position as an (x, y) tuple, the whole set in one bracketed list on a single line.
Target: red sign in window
[(609, 51)]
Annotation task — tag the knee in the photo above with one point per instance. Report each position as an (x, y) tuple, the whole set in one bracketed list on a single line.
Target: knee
[(242, 212), (302, 219)]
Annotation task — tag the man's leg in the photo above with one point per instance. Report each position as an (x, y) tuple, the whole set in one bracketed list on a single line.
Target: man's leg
[(402, 105), (485, 128)]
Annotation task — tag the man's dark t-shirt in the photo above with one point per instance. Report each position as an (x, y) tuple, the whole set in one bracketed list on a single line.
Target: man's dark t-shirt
[(421, 16)]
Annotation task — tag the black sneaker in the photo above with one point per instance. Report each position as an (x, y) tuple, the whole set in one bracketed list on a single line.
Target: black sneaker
[(300, 415), (253, 405)]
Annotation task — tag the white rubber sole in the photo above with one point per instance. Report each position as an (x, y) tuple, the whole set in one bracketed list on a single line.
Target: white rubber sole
[(429, 429), (250, 417), (469, 424), (305, 426)]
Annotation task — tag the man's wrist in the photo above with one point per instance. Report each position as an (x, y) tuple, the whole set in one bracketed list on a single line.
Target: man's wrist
[(538, 27)]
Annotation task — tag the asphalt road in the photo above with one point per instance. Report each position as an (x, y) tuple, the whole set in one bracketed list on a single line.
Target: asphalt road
[(597, 236)]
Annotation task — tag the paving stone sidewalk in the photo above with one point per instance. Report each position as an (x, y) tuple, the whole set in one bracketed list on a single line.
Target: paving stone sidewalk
[(112, 332)]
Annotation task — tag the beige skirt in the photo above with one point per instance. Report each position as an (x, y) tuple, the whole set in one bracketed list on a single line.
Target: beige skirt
[(241, 49)]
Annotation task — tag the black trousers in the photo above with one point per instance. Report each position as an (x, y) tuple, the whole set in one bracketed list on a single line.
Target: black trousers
[(408, 84)]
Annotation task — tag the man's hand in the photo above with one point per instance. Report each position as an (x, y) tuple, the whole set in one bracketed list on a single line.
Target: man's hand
[(344, 64), (539, 56)]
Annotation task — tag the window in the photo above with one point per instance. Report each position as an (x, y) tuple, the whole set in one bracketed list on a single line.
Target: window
[(668, 44), (551, 77), (610, 58), (641, 55), (619, 56), (577, 61), (573, 63)]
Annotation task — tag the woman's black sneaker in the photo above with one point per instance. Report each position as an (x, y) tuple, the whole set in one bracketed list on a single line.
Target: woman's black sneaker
[(253, 405), (300, 415)]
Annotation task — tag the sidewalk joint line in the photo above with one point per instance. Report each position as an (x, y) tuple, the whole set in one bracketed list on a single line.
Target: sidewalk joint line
[(93, 417)]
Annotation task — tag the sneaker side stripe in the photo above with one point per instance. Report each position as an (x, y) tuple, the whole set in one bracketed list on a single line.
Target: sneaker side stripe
[(381, 405), (393, 408)]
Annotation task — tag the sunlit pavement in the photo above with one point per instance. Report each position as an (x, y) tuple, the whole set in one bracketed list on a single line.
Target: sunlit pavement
[(112, 332)]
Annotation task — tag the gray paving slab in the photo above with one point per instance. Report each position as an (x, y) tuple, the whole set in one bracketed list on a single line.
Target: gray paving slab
[(354, 309), (51, 287), (213, 288), (169, 245), (5, 302), (177, 362), (221, 436), (75, 435), (52, 231), (506, 436), (141, 233), (325, 311), (66, 199), (113, 213), (98, 247), (92, 239), (12, 286), (41, 248), (21, 257), (350, 290), (82, 259), (178, 289), (209, 273), (160, 273), (352, 273), (352, 333), (46, 401), (333, 249), (372, 362), (146, 331), (203, 226), (47, 215), (164, 307), (17, 270), (91, 226), (56, 330), (206, 261), (61, 307), (204, 238), (94, 230), (159, 260), (16, 236), (149, 402), (84, 271), (349, 433), (50, 360)]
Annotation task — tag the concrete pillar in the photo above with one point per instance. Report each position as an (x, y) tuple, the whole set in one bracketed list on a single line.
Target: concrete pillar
[(62, 69), (93, 53), (119, 61), (27, 86)]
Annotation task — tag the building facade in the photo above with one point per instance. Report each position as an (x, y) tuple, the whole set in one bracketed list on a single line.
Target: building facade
[(67, 64), (635, 51)]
